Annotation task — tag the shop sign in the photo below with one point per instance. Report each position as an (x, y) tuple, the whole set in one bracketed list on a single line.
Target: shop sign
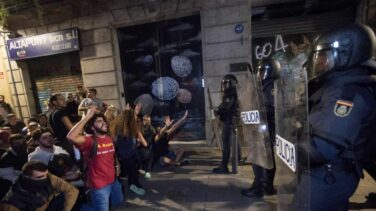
[(43, 45)]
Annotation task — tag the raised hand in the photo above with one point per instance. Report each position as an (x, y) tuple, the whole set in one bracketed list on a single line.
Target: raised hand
[(92, 109)]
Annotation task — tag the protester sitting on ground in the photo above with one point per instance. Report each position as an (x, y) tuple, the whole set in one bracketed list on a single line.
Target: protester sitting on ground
[(11, 162), (110, 113), (42, 120), (149, 133), (57, 159), (91, 99), (124, 130), (162, 153), (5, 105), (33, 120), (72, 108), (31, 143), (4, 141), (60, 123), (80, 94), (102, 168), (35, 189), (14, 124)]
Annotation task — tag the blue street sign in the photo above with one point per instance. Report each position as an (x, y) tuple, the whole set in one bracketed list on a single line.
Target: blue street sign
[(43, 45), (239, 28)]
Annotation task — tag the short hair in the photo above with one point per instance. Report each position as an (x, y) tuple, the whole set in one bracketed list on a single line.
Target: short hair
[(91, 121), (10, 115), (38, 133), (15, 137), (2, 96), (42, 114), (54, 98), (32, 119), (33, 165), (93, 90)]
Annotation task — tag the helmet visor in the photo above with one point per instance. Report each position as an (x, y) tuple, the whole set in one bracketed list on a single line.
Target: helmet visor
[(262, 74), (320, 62)]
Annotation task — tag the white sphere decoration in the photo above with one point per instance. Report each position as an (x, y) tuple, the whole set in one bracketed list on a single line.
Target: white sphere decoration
[(165, 88), (181, 66)]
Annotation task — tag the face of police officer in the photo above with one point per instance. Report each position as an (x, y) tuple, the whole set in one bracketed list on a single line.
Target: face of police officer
[(322, 62)]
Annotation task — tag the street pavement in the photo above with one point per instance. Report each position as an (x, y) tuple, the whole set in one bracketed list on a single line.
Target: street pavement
[(194, 187)]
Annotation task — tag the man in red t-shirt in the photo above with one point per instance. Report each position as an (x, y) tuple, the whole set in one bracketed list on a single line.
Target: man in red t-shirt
[(102, 167)]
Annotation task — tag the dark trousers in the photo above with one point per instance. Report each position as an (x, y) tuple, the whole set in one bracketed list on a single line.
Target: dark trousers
[(316, 192), (148, 162), (263, 175), (130, 167), (227, 138)]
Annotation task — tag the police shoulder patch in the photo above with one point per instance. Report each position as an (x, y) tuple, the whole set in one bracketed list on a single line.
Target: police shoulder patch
[(343, 108)]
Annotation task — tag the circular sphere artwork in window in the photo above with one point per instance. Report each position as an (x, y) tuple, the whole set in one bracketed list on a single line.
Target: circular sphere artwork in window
[(184, 96), (147, 60), (146, 103), (165, 88), (181, 66)]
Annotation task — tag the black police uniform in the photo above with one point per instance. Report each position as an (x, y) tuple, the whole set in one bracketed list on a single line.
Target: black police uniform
[(340, 112), (228, 112)]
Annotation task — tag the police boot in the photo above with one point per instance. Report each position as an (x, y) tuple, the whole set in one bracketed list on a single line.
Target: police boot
[(253, 192), (220, 170), (268, 189)]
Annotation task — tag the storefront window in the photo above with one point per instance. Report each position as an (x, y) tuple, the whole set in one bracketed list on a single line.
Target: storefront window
[(164, 60)]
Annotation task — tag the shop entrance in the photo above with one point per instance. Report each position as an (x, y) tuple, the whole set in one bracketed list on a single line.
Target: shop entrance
[(54, 74), (164, 59)]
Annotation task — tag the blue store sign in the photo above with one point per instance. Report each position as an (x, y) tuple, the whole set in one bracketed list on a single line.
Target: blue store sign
[(44, 44)]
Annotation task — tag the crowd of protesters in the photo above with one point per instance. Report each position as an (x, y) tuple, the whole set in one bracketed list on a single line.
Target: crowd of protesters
[(72, 156)]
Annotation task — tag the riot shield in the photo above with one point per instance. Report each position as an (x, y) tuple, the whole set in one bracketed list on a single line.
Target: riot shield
[(254, 122), (292, 134)]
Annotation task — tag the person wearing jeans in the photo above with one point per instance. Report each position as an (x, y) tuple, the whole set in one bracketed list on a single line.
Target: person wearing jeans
[(99, 154), (110, 194)]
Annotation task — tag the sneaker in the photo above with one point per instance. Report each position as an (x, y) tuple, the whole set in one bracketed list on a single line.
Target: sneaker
[(137, 190), (252, 192), (147, 175), (220, 170)]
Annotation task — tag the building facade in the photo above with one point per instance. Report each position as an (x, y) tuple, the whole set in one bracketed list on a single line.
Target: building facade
[(177, 51)]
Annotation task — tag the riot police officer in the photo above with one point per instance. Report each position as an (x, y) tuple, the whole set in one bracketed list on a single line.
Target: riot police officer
[(342, 114), (264, 178), (228, 112)]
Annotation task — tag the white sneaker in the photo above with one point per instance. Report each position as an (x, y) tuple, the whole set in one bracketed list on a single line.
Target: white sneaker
[(147, 175)]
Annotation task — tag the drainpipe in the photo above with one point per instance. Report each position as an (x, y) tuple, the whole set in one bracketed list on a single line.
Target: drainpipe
[(11, 72)]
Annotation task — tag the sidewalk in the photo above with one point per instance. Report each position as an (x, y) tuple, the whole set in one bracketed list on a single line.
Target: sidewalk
[(194, 187)]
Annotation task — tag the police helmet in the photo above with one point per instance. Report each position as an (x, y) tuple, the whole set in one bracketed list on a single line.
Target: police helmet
[(341, 50), (268, 69), (229, 81)]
